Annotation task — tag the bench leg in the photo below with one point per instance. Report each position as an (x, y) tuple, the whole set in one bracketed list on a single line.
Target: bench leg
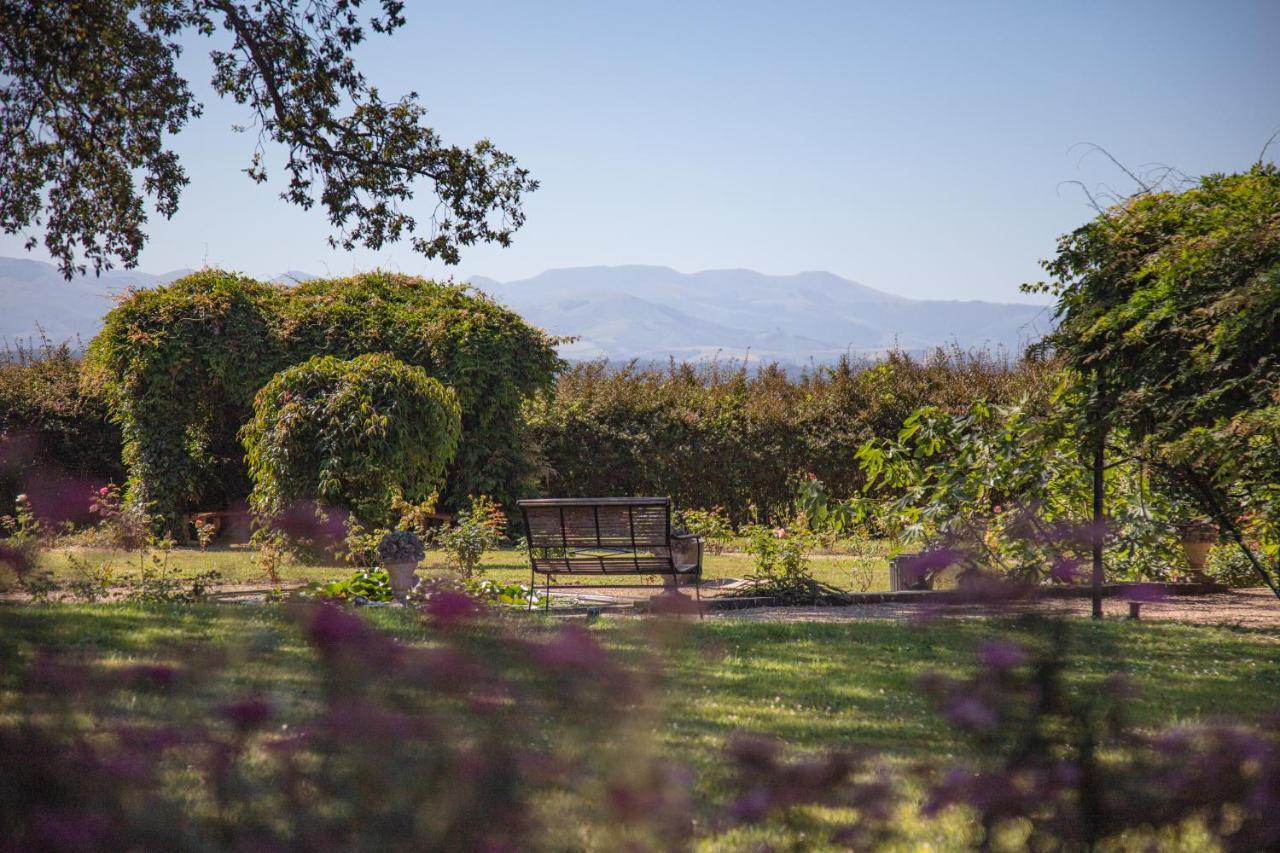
[(533, 585), (547, 603)]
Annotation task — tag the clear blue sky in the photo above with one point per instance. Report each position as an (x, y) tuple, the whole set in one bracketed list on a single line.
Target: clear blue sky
[(915, 147)]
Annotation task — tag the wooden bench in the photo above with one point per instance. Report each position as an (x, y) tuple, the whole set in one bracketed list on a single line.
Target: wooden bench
[(608, 536)]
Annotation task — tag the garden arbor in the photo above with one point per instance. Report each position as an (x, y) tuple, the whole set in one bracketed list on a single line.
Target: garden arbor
[(181, 364)]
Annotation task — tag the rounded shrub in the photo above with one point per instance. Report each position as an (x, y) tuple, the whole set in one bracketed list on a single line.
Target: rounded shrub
[(350, 433)]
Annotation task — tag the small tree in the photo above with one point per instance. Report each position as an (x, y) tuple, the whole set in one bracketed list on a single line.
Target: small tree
[(353, 434), (1169, 317)]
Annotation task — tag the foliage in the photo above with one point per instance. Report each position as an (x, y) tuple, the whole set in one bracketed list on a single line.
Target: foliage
[(51, 429), (1227, 565), (1169, 315), (717, 435), (483, 591), (369, 584), (349, 434), (400, 546), (180, 366), (818, 512), (1006, 488), (710, 524), (75, 150), (478, 528)]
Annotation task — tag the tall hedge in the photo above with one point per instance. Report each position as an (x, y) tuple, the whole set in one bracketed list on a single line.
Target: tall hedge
[(55, 437), (180, 366), (737, 438), (352, 433)]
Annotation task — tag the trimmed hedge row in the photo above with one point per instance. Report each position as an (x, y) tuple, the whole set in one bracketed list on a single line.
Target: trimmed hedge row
[(740, 439)]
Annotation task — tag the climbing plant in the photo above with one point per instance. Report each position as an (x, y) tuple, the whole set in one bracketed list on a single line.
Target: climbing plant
[(180, 366), (351, 433)]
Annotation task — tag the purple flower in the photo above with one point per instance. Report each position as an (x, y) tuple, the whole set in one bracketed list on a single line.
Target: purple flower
[(573, 649), (970, 713), (448, 608), (1001, 654), (248, 713)]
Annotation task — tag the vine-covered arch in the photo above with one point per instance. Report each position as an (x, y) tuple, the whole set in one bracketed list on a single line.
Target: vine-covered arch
[(181, 364)]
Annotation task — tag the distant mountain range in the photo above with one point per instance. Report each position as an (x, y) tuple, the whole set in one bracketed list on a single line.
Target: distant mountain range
[(35, 299), (648, 313), (620, 313)]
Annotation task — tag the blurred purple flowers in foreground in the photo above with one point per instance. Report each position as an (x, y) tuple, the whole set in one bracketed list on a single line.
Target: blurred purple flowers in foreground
[(495, 736)]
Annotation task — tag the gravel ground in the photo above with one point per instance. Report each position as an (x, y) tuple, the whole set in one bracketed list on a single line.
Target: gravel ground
[(1243, 608)]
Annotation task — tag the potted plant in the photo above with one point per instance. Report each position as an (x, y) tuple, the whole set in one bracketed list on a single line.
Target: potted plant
[(1198, 536), (400, 552)]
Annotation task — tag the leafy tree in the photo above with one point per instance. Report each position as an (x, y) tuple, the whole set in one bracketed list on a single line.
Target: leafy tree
[(351, 433), (92, 94), (1169, 315)]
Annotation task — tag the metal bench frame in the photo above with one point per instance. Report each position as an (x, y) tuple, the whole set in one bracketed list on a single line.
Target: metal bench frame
[(566, 536)]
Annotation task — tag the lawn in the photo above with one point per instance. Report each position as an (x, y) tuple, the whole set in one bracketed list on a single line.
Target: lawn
[(813, 685), (236, 564)]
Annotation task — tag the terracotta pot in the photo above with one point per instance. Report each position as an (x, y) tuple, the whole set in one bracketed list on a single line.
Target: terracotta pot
[(402, 576)]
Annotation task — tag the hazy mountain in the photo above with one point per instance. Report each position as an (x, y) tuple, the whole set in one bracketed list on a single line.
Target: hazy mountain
[(652, 312), (34, 296), (622, 312)]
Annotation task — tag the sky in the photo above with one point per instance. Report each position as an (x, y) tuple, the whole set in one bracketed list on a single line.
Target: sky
[(919, 148)]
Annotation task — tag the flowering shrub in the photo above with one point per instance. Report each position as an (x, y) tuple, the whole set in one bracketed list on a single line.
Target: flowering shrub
[(478, 528), (782, 564), (118, 525), (21, 542)]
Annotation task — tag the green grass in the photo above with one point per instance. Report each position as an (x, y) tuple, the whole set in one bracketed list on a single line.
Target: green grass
[(236, 565), (814, 685)]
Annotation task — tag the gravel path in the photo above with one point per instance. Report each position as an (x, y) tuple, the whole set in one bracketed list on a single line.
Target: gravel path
[(1245, 608)]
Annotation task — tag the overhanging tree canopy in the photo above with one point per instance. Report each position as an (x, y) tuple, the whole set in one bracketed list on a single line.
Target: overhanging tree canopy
[(181, 365), (92, 93)]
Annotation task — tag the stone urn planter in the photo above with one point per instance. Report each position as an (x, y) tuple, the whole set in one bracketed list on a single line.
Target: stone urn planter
[(1198, 537), (403, 577), (400, 552)]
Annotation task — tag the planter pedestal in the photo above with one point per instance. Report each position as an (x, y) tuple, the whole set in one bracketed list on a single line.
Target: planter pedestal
[(403, 579)]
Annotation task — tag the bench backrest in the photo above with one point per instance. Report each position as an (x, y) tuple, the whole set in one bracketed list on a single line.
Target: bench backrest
[(599, 535)]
